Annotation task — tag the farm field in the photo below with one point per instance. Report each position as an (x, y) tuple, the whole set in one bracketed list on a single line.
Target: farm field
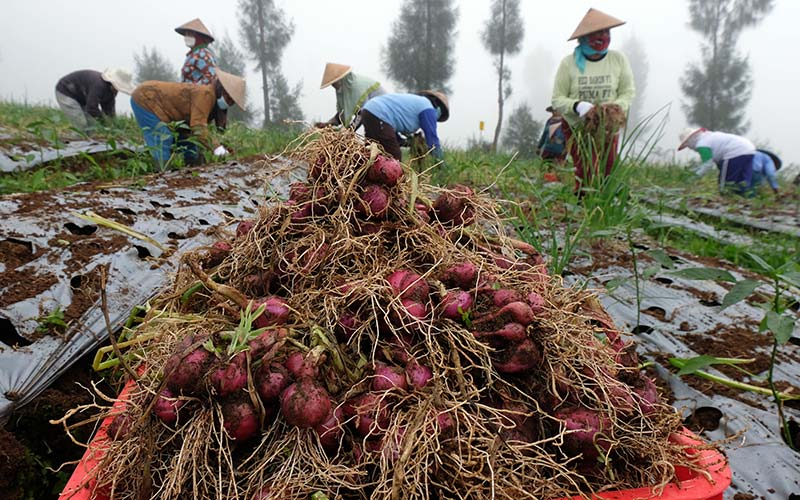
[(706, 286)]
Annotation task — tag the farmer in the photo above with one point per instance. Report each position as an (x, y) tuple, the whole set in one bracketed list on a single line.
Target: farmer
[(387, 115), (200, 65), (732, 155), (156, 104), (765, 168), (551, 143), (87, 96), (593, 76), (352, 91)]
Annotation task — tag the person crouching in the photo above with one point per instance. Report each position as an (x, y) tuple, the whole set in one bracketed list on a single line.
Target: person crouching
[(155, 104)]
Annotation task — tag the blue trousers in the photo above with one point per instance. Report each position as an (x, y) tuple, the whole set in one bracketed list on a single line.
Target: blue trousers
[(736, 173), (160, 139)]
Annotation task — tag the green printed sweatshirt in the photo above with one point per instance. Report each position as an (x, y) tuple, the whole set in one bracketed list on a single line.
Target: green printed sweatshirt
[(608, 80)]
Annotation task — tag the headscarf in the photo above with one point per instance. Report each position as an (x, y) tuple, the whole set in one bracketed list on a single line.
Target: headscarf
[(592, 44)]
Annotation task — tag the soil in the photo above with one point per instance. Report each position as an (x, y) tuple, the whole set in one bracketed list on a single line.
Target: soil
[(32, 449)]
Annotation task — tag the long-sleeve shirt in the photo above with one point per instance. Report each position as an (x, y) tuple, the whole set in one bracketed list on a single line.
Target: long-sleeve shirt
[(200, 66), (351, 95), (407, 113), (552, 139), (609, 80), (716, 147), (171, 102), (764, 166), (96, 96)]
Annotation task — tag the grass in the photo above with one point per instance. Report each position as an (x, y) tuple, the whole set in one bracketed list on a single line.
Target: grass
[(548, 215), (29, 129)]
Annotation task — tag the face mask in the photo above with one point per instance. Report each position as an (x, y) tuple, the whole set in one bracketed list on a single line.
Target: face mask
[(222, 103), (600, 41), (188, 40)]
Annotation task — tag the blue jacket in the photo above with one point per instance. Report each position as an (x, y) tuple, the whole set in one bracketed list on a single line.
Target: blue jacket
[(407, 113)]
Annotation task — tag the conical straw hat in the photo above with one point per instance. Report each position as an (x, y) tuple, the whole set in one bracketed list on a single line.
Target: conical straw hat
[(121, 79), (195, 25), (234, 86), (687, 134), (594, 20), (441, 98), (333, 73)]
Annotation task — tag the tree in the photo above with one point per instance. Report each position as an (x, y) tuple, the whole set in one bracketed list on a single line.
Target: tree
[(419, 52), (231, 60), (502, 35), (284, 103), (719, 87), (640, 65), (265, 33), (151, 65), (522, 133)]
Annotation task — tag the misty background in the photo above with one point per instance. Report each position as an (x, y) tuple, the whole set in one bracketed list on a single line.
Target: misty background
[(43, 40)]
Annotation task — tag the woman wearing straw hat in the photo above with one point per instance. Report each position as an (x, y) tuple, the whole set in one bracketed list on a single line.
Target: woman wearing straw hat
[(387, 115), (732, 154), (87, 96), (157, 103), (352, 91), (593, 76), (200, 65)]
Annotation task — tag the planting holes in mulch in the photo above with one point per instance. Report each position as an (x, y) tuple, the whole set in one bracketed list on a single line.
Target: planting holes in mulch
[(704, 418), (378, 337)]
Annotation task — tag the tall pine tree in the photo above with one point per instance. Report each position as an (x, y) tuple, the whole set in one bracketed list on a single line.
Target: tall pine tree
[(284, 101), (502, 36), (522, 133), (265, 33), (152, 65), (231, 60), (419, 52), (718, 88)]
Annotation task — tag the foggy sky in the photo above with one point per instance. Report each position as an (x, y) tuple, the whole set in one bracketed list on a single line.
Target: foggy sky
[(42, 40)]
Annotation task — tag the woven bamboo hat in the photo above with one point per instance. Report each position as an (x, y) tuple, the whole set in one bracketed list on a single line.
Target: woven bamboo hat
[(195, 25), (687, 135), (333, 73), (594, 20), (119, 78), (442, 100), (234, 86)]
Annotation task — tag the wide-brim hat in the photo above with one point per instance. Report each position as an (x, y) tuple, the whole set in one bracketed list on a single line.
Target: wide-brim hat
[(687, 135), (195, 25), (235, 87), (333, 73), (594, 20), (775, 159), (120, 79), (445, 105)]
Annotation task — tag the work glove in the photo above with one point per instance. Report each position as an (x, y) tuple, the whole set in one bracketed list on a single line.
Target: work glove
[(583, 107), (220, 151)]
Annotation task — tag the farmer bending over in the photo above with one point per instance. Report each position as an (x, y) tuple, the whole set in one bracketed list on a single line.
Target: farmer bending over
[(730, 153), (87, 96), (352, 91), (387, 115), (155, 104)]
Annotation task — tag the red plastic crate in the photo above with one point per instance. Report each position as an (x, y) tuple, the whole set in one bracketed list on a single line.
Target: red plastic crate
[(689, 486)]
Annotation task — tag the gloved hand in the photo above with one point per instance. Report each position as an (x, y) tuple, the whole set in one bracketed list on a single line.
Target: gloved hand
[(583, 107), (220, 151)]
